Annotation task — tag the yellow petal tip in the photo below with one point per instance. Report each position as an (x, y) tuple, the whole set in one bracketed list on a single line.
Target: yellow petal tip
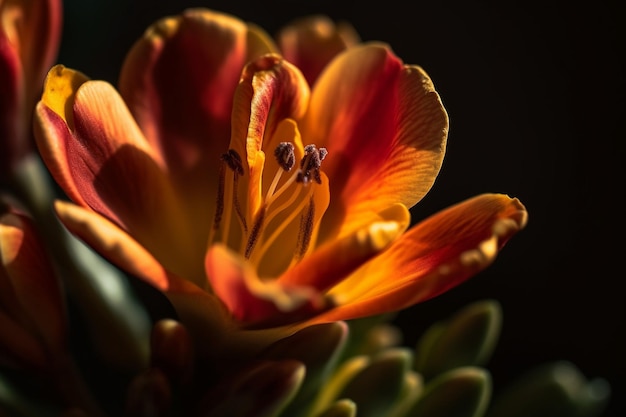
[(59, 90), (379, 234)]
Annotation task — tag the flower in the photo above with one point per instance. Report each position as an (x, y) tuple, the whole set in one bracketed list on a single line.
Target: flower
[(33, 327), (30, 32), (223, 176)]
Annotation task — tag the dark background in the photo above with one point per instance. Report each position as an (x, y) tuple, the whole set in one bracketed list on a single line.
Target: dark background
[(536, 96)]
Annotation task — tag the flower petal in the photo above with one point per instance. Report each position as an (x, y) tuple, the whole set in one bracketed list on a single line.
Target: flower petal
[(34, 30), (30, 32), (11, 123), (349, 252), (113, 243), (92, 146), (271, 90), (434, 256), (252, 300), (30, 294), (311, 42), (179, 79), (386, 149)]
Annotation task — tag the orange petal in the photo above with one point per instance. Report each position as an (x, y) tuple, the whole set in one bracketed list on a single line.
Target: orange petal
[(113, 243), (385, 130), (30, 294), (179, 80), (18, 347), (102, 161), (33, 28), (30, 32), (80, 126), (12, 123), (251, 300), (311, 42), (270, 91), (434, 256), (349, 252)]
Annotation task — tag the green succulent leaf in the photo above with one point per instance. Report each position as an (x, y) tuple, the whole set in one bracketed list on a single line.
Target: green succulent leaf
[(461, 392), (263, 390), (377, 387), (318, 348), (342, 408), (556, 389), (466, 339)]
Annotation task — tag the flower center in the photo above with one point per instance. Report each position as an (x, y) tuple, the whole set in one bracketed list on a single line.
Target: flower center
[(283, 204)]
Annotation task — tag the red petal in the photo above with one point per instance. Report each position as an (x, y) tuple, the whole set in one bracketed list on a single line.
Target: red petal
[(270, 91), (310, 43), (385, 130), (179, 81), (252, 300), (30, 292)]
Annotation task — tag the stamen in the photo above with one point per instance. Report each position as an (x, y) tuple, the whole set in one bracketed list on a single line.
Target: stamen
[(306, 230), (233, 160), (297, 204), (286, 159), (285, 156), (219, 204), (310, 164), (238, 209), (267, 242), (255, 232), (227, 191)]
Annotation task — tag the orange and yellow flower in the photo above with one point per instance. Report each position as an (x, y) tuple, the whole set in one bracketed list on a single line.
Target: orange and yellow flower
[(30, 32), (271, 178), (33, 327)]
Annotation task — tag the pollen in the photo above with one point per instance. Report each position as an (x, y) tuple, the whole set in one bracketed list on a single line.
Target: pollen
[(285, 155), (310, 164)]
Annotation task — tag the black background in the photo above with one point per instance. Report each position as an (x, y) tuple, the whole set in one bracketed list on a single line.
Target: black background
[(535, 95)]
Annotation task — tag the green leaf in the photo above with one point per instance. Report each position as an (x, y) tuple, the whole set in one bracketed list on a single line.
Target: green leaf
[(466, 339), (318, 347), (378, 386), (263, 390), (342, 408), (556, 389), (461, 392)]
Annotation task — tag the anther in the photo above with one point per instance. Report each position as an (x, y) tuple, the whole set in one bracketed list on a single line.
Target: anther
[(310, 164), (233, 160), (255, 233), (306, 230), (227, 192), (285, 155)]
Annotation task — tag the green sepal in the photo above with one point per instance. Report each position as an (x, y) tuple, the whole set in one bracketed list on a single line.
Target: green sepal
[(468, 338), (556, 389), (461, 392)]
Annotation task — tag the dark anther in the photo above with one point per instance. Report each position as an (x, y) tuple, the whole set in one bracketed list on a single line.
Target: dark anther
[(233, 160), (255, 232), (285, 156), (306, 229), (310, 164)]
